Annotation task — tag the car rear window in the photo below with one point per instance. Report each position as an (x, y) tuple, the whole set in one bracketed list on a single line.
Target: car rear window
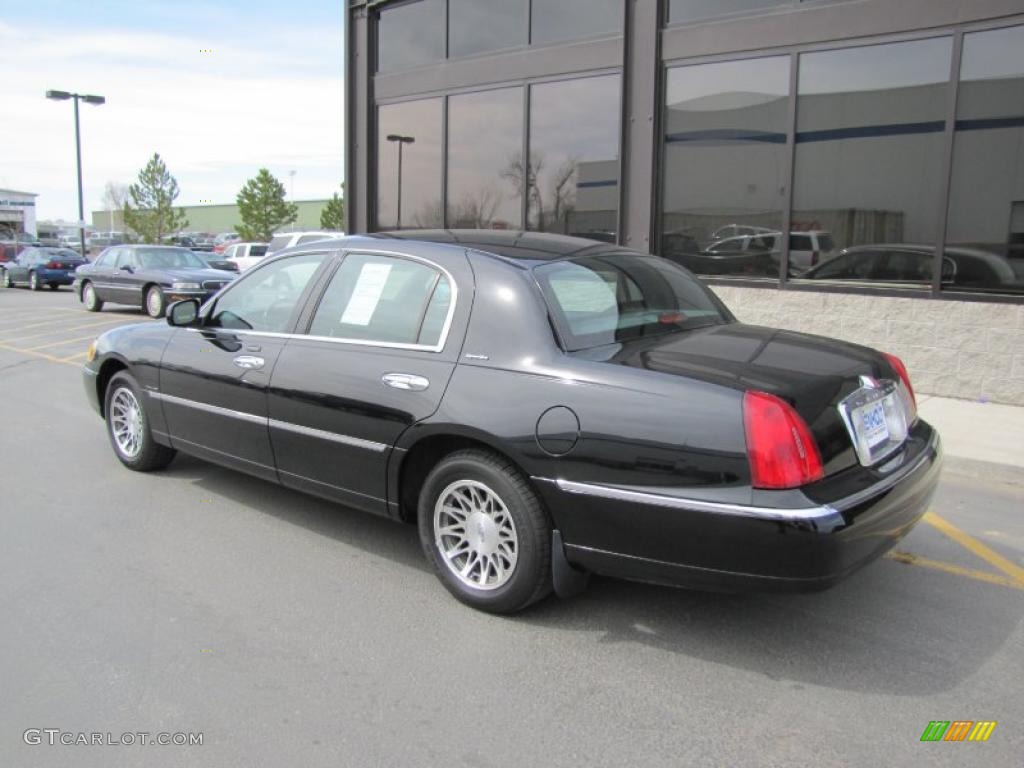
[(278, 242), (257, 250), (598, 300)]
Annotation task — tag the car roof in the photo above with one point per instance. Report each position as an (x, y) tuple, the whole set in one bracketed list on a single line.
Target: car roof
[(517, 246)]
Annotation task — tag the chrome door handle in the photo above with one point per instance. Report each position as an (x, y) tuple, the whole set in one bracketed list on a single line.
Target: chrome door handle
[(408, 381), (249, 362)]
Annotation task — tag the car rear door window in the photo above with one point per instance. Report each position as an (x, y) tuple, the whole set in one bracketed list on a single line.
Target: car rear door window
[(265, 298), (384, 300)]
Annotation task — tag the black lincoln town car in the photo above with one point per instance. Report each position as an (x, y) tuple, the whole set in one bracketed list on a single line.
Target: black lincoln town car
[(541, 406)]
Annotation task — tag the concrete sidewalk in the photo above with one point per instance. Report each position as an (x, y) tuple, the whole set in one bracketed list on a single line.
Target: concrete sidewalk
[(979, 439)]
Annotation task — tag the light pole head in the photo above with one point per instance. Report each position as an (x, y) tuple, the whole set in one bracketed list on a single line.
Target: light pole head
[(97, 100), (400, 138), (58, 95)]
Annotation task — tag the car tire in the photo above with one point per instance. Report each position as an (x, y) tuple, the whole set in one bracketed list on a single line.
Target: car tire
[(128, 426), (156, 304), (93, 303), (53, 286), (33, 282), (6, 279), (484, 532)]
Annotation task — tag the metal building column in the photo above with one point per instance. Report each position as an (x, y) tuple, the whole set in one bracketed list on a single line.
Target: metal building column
[(641, 66), (359, 116)]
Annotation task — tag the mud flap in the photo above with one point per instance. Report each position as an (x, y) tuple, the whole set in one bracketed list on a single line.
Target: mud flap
[(568, 580)]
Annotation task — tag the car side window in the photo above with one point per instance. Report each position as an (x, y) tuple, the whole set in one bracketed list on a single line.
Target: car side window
[(384, 299), (906, 266), (126, 258), (265, 298)]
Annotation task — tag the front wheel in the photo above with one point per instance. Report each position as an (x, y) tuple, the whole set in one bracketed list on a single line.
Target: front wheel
[(54, 286), (92, 302), (483, 530), (156, 304), (6, 279), (128, 427), (33, 282)]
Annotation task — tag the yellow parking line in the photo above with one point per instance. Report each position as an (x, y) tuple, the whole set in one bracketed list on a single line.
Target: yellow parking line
[(956, 570), (59, 343), (968, 542), (15, 326), (62, 330), (75, 356), (42, 355)]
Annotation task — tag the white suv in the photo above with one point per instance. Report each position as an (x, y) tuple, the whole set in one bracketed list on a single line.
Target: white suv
[(282, 240), (245, 255)]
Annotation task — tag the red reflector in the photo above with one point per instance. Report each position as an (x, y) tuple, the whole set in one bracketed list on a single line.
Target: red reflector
[(901, 371), (780, 448)]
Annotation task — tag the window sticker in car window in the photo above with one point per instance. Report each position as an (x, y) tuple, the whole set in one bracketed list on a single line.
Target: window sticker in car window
[(366, 295)]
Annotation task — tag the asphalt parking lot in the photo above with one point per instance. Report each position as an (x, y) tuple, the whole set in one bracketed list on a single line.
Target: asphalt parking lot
[(290, 631)]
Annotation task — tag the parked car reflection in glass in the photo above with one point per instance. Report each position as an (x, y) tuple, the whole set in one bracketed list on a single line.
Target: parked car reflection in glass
[(965, 268)]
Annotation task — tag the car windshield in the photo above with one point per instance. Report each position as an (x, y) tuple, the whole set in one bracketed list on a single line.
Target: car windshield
[(278, 242), (598, 300), (61, 253), (169, 258)]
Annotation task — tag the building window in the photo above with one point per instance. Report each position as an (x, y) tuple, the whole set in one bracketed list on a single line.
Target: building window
[(869, 160), (409, 164), (556, 20), (410, 34), (572, 178), (475, 26), (485, 141), (698, 10), (724, 173), (985, 228)]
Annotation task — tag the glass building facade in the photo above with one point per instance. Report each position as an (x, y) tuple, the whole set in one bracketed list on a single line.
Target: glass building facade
[(839, 145)]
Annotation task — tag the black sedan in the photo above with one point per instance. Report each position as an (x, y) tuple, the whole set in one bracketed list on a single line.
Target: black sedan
[(540, 406), (147, 276), (36, 267)]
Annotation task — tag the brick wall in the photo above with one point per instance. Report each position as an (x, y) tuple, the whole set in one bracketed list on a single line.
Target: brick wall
[(963, 349)]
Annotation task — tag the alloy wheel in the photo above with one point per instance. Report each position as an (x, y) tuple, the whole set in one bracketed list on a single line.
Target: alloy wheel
[(126, 422), (475, 534)]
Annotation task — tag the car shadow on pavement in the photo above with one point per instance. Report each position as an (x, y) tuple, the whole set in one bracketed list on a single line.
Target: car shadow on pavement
[(890, 628)]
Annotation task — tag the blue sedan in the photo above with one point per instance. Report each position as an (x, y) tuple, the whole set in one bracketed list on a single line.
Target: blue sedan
[(37, 267)]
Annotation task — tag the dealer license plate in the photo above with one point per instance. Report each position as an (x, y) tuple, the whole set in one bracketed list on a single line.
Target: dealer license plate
[(870, 423)]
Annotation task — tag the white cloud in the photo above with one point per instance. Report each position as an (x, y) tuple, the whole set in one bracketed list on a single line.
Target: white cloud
[(214, 117)]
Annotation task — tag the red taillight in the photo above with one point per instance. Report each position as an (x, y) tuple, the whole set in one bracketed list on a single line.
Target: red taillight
[(901, 371), (814, 257), (52, 265), (780, 447)]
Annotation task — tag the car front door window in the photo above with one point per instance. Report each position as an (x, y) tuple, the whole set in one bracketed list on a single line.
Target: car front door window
[(265, 299)]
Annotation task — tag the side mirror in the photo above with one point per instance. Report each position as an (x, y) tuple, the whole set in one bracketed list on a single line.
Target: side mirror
[(183, 313), (127, 268)]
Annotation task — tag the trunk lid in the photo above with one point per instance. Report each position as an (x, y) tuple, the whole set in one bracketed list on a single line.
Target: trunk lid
[(812, 373)]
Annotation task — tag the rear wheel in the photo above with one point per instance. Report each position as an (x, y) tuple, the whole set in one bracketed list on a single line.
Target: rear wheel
[(483, 530), (33, 282), (92, 302), (128, 427), (156, 304), (53, 286)]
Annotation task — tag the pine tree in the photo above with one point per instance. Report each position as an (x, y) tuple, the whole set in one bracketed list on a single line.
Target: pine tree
[(149, 210), (332, 217), (263, 209)]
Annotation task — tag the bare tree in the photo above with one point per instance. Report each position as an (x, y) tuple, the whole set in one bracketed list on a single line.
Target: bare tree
[(115, 195), (558, 187), (475, 210)]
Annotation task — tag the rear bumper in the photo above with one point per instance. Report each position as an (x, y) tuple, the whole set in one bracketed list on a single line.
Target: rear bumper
[(634, 534), (56, 276)]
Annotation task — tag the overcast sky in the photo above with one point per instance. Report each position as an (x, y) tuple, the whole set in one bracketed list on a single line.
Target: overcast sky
[(269, 93)]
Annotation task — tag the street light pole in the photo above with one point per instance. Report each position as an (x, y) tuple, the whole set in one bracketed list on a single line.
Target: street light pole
[(401, 140), (88, 99)]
